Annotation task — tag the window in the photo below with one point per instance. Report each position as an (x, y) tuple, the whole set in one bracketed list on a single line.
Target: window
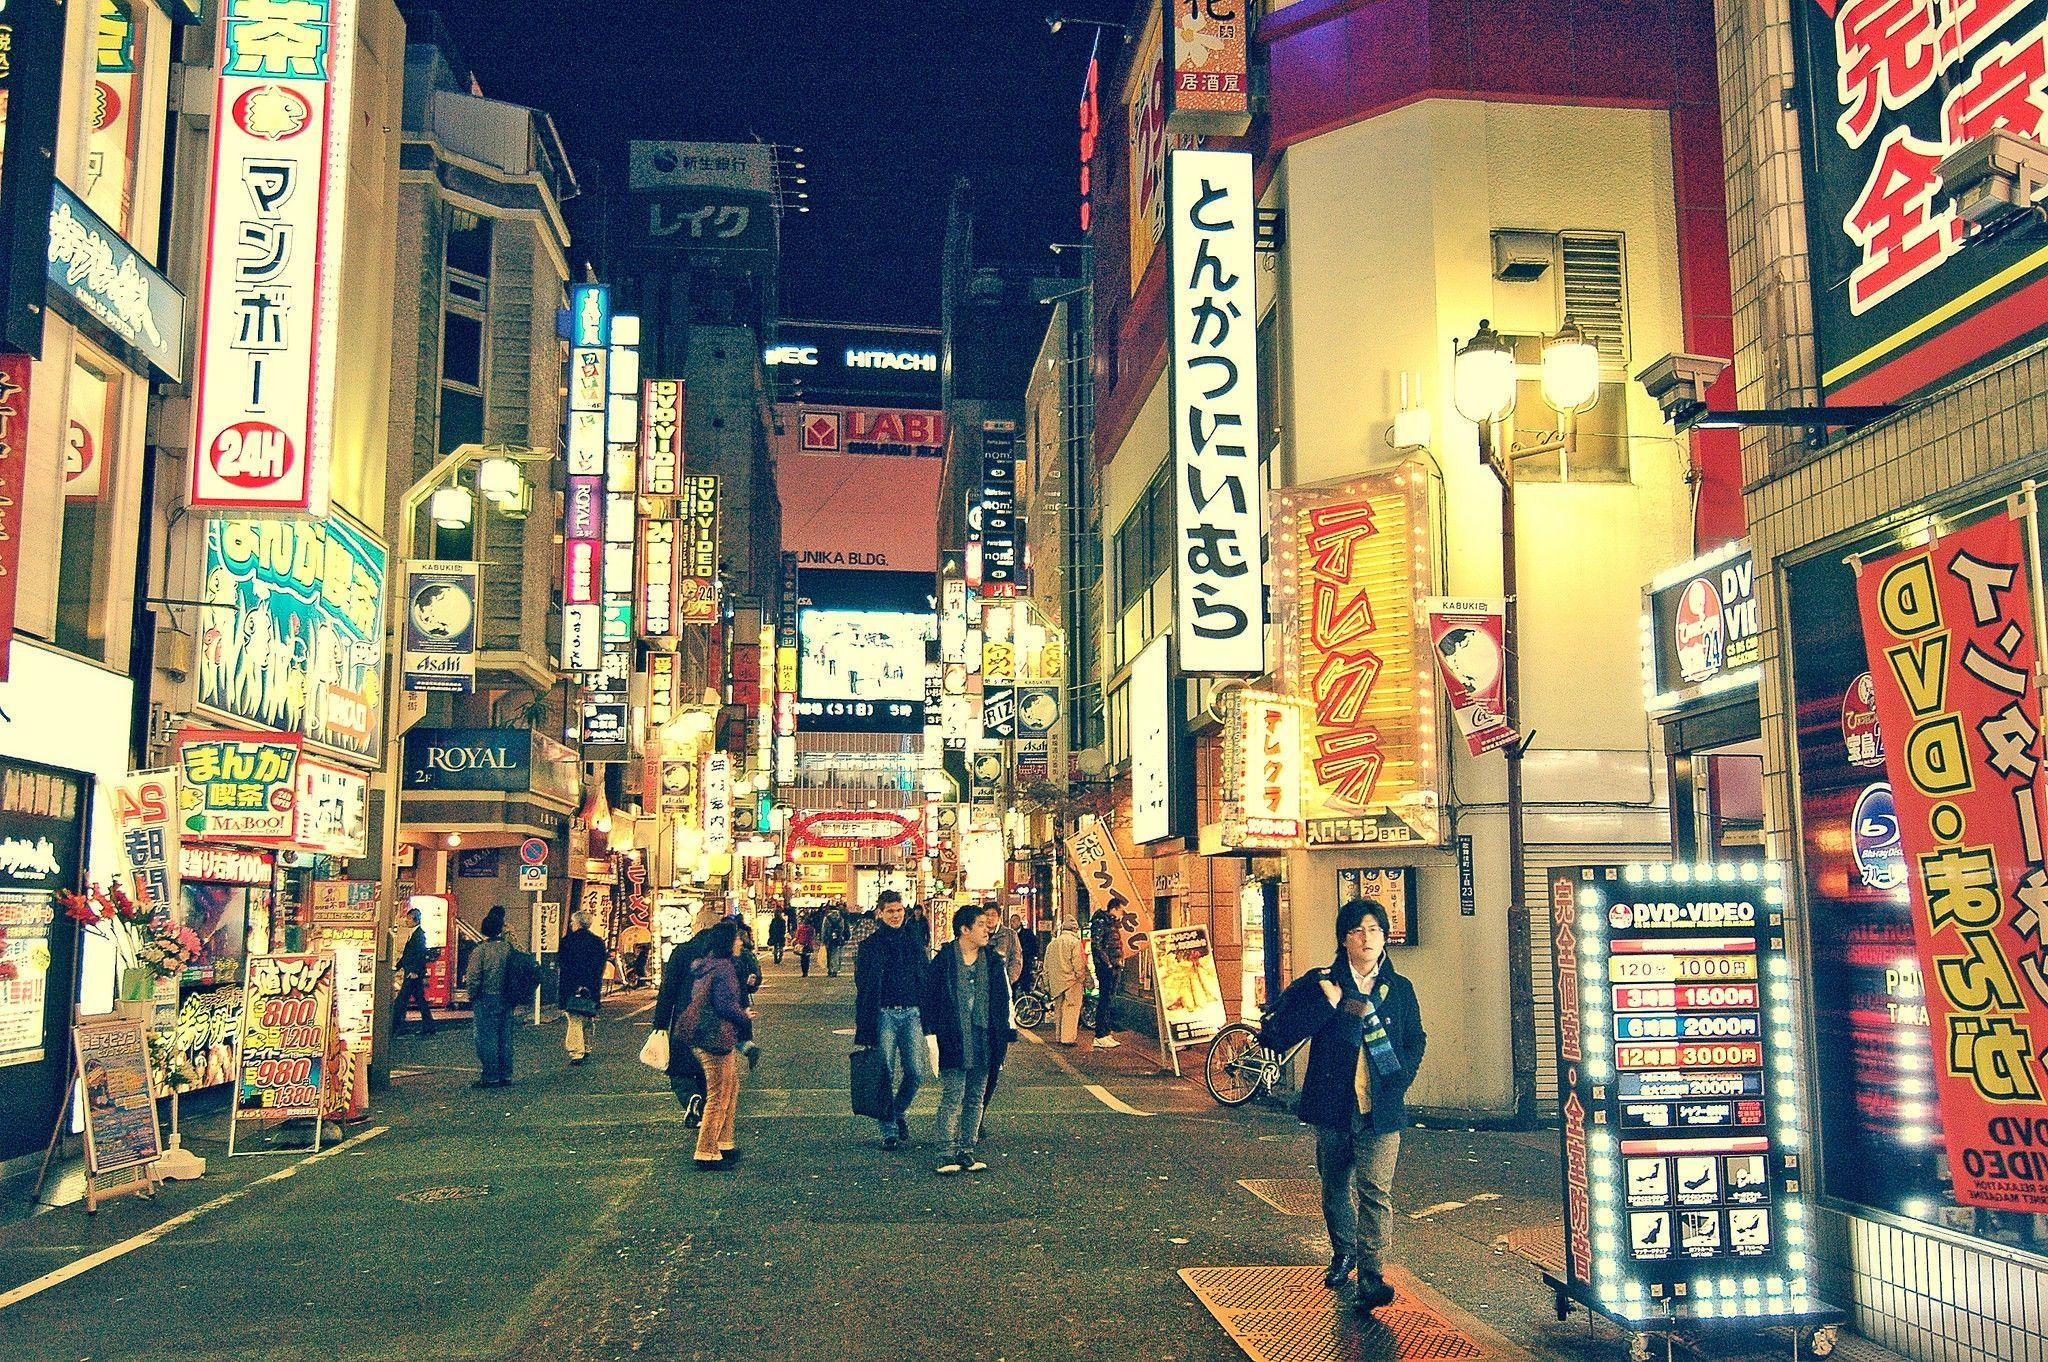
[(469, 246), (112, 129), (92, 503), (1593, 282), (462, 349), (1143, 552), (464, 367)]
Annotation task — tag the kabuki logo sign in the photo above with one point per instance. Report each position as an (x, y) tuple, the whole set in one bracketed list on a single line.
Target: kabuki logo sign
[(1950, 629), (264, 392), (1213, 371), (1891, 88)]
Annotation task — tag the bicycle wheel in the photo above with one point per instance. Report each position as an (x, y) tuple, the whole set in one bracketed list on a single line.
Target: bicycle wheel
[(1087, 1014), (1236, 1065), (1030, 1010)]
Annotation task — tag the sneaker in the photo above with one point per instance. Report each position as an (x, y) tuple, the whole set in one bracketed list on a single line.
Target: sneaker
[(976, 1166), (891, 1141), (948, 1168), (693, 1111), (1106, 1043), (714, 1166)]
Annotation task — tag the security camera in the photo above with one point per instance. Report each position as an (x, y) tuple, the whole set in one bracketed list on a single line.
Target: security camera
[(1996, 178), (1679, 383)]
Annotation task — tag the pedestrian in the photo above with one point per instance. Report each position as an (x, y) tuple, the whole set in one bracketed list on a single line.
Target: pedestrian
[(834, 933), (1106, 949), (888, 985), (412, 979), (685, 1074), (581, 962), (992, 921), (1368, 1043), (806, 942), (778, 934), (1007, 944), (966, 1005), (921, 928), (748, 967), (714, 1024), (1066, 978), (1027, 941), (492, 1010)]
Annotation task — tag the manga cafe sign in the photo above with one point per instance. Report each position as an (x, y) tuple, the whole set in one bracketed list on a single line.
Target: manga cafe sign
[(298, 643), (1890, 88), (1950, 629), (263, 387), (1351, 560), (238, 787)]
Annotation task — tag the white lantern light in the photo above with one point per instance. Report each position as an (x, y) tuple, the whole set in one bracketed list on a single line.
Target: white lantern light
[(499, 480), (1571, 370), (1483, 377), (452, 508)]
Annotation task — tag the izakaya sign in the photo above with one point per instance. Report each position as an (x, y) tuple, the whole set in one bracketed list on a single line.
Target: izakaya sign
[(1890, 88), (298, 641), (1349, 561), (1213, 373), (263, 390), (1950, 630), (1210, 90)]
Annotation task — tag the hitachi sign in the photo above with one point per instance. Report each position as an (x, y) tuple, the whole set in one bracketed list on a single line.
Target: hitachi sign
[(909, 361)]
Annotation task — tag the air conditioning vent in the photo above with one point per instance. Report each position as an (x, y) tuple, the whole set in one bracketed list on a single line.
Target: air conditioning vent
[(1596, 292)]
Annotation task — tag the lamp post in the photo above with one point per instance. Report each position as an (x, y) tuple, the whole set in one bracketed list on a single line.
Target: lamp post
[(451, 506), (1484, 381)]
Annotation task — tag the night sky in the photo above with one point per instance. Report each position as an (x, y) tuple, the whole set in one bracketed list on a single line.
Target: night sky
[(890, 101)]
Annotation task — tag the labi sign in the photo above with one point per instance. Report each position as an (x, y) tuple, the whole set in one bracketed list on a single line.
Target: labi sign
[(499, 759)]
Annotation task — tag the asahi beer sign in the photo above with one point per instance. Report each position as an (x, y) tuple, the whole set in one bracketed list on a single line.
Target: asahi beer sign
[(1212, 368), (1704, 629), (263, 389), (440, 627)]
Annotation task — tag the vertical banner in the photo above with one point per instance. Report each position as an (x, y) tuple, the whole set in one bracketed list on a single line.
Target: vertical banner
[(440, 627), (697, 551), (1100, 866), (344, 916), (263, 389), (999, 537), (661, 437), (281, 1057), (1261, 790), (14, 380), (1213, 377), (1209, 86), (717, 804), (1950, 629), (583, 499), (1154, 722), (1467, 640), (145, 805)]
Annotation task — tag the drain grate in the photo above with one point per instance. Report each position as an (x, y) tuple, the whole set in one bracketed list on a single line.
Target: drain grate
[(1542, 1245), (1289, 1196), (1284, 1314), (425, 1196)]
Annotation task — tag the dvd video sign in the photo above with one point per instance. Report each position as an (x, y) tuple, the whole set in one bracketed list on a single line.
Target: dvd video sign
[(1683, 1171)]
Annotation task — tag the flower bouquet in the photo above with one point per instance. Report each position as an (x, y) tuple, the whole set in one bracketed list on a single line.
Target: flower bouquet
[(148, 946)]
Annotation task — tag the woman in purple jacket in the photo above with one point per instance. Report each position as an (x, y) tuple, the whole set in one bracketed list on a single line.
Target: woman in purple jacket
[(725, 1022)]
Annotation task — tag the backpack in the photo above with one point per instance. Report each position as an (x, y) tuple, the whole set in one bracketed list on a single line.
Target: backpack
[(522, 975)]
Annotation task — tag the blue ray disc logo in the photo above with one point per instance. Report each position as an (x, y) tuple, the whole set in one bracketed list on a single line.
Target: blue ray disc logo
[(1874, 837)]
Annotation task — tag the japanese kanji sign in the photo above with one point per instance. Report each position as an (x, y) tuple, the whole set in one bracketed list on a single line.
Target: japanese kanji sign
[(1950, 631), (1213, 373), (15, 372), (1209, 89), (1891, 87), (263, 390), (697, 551), (145, 807), (238, 787), (1099, 865), (1350, 561), (1261, 789), (583, 500)]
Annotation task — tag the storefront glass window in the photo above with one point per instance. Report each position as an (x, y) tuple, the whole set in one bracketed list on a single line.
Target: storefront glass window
[(112, 125), (1880, 1124), (93, 403)]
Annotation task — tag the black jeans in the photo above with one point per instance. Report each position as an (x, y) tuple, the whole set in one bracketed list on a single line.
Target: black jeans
[(413, 992), (1105, 994)]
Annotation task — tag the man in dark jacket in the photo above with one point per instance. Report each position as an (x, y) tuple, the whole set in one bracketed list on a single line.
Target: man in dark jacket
[(1106, 945), (966, 1006), (888, 986), (412, 981), (1368, 1043), (581, 964), (834, 934)]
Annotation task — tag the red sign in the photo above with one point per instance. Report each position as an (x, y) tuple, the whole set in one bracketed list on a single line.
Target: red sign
[(14, 379), (1467, 639), (875, 828), (1949, 628), (1091, 132)]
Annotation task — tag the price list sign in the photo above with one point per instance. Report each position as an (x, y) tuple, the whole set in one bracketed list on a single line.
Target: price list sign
[(1682, 1149)]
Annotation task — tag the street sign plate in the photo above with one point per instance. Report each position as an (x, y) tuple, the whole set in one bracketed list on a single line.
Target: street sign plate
[(533, 851), (533, 879)]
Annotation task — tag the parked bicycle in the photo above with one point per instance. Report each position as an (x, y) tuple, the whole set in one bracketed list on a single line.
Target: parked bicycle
[(1032, 1005), (1239, 1068)]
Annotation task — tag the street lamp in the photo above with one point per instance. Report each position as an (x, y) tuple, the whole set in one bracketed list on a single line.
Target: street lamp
[(451, 508), (1483, 388)]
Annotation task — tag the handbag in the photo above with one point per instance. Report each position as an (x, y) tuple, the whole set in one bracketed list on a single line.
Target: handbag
[(654, 1050), (581, 1001), (873, 1093)]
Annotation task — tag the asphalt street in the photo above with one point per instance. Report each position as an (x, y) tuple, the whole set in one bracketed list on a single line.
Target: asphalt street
[(561, 1218)]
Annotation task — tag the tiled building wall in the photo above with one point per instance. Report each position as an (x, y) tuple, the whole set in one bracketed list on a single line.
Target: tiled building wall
[(1926, 1293)]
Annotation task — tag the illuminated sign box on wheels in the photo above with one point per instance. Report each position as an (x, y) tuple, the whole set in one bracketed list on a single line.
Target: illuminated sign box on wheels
[(1685, 1165)]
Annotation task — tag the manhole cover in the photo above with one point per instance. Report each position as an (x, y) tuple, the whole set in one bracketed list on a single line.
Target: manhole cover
[(1289, 1196), (1284, 1314), (1542, 1245), (427, 1195)]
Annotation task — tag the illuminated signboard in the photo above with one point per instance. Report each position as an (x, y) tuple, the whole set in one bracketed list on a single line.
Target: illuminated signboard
[(1887, 91), (1145, 138), (1684, 1162), (661, 437), (999, 537), (238, 787), (263, 386), (1392, 888), (1702, 630), (1091, 130), (1210, 87), (836, 363), (861, 641), (101, 282), (1213, 379), (1151, 742), (1261, 789), (590, 325), (440, 627), (1949, 628), (1351, 562), (697, 551), (658, 578)]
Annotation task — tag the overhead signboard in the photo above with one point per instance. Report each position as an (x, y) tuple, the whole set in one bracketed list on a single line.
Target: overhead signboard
[(269, 309), (1209, 84), (1001, 554), (832, 363), (238, 787), (700, 165), (698, 221), (1887, 92), (1212, 382), (697, 551), (1351, 560), (100, 282), (1702, 630), (440, 627), (862, 640), (1684, 1160), (296, 641)]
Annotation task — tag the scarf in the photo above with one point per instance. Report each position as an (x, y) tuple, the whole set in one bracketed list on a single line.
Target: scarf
[(1364, 1027)]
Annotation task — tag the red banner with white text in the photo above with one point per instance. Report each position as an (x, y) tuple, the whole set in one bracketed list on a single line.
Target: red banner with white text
[(1950, 631)]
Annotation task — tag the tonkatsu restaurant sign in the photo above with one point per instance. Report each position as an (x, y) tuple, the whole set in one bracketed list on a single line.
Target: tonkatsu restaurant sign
[(263, 390)]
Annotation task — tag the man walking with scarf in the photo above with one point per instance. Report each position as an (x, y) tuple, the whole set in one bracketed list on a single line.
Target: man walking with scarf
[(1368, 1043)]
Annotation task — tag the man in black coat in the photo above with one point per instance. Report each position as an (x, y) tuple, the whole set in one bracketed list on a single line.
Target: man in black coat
[(888, 989), (581, 964), (1368, 1043), (966, 1005), (412, 982)]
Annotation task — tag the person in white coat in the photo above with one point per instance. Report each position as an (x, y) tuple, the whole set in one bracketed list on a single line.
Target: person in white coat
[(1067, 975)]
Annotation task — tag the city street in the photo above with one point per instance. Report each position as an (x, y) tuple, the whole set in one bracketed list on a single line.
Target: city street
[(562, 1218)]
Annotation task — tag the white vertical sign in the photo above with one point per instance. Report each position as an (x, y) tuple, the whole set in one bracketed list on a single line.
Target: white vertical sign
[(717, 804), (1151, 744), (1213, 368), (263, 385)]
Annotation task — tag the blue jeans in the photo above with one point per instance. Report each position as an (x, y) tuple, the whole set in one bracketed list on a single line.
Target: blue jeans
[(902, 1045), (960, 1095), (494, 1036)]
